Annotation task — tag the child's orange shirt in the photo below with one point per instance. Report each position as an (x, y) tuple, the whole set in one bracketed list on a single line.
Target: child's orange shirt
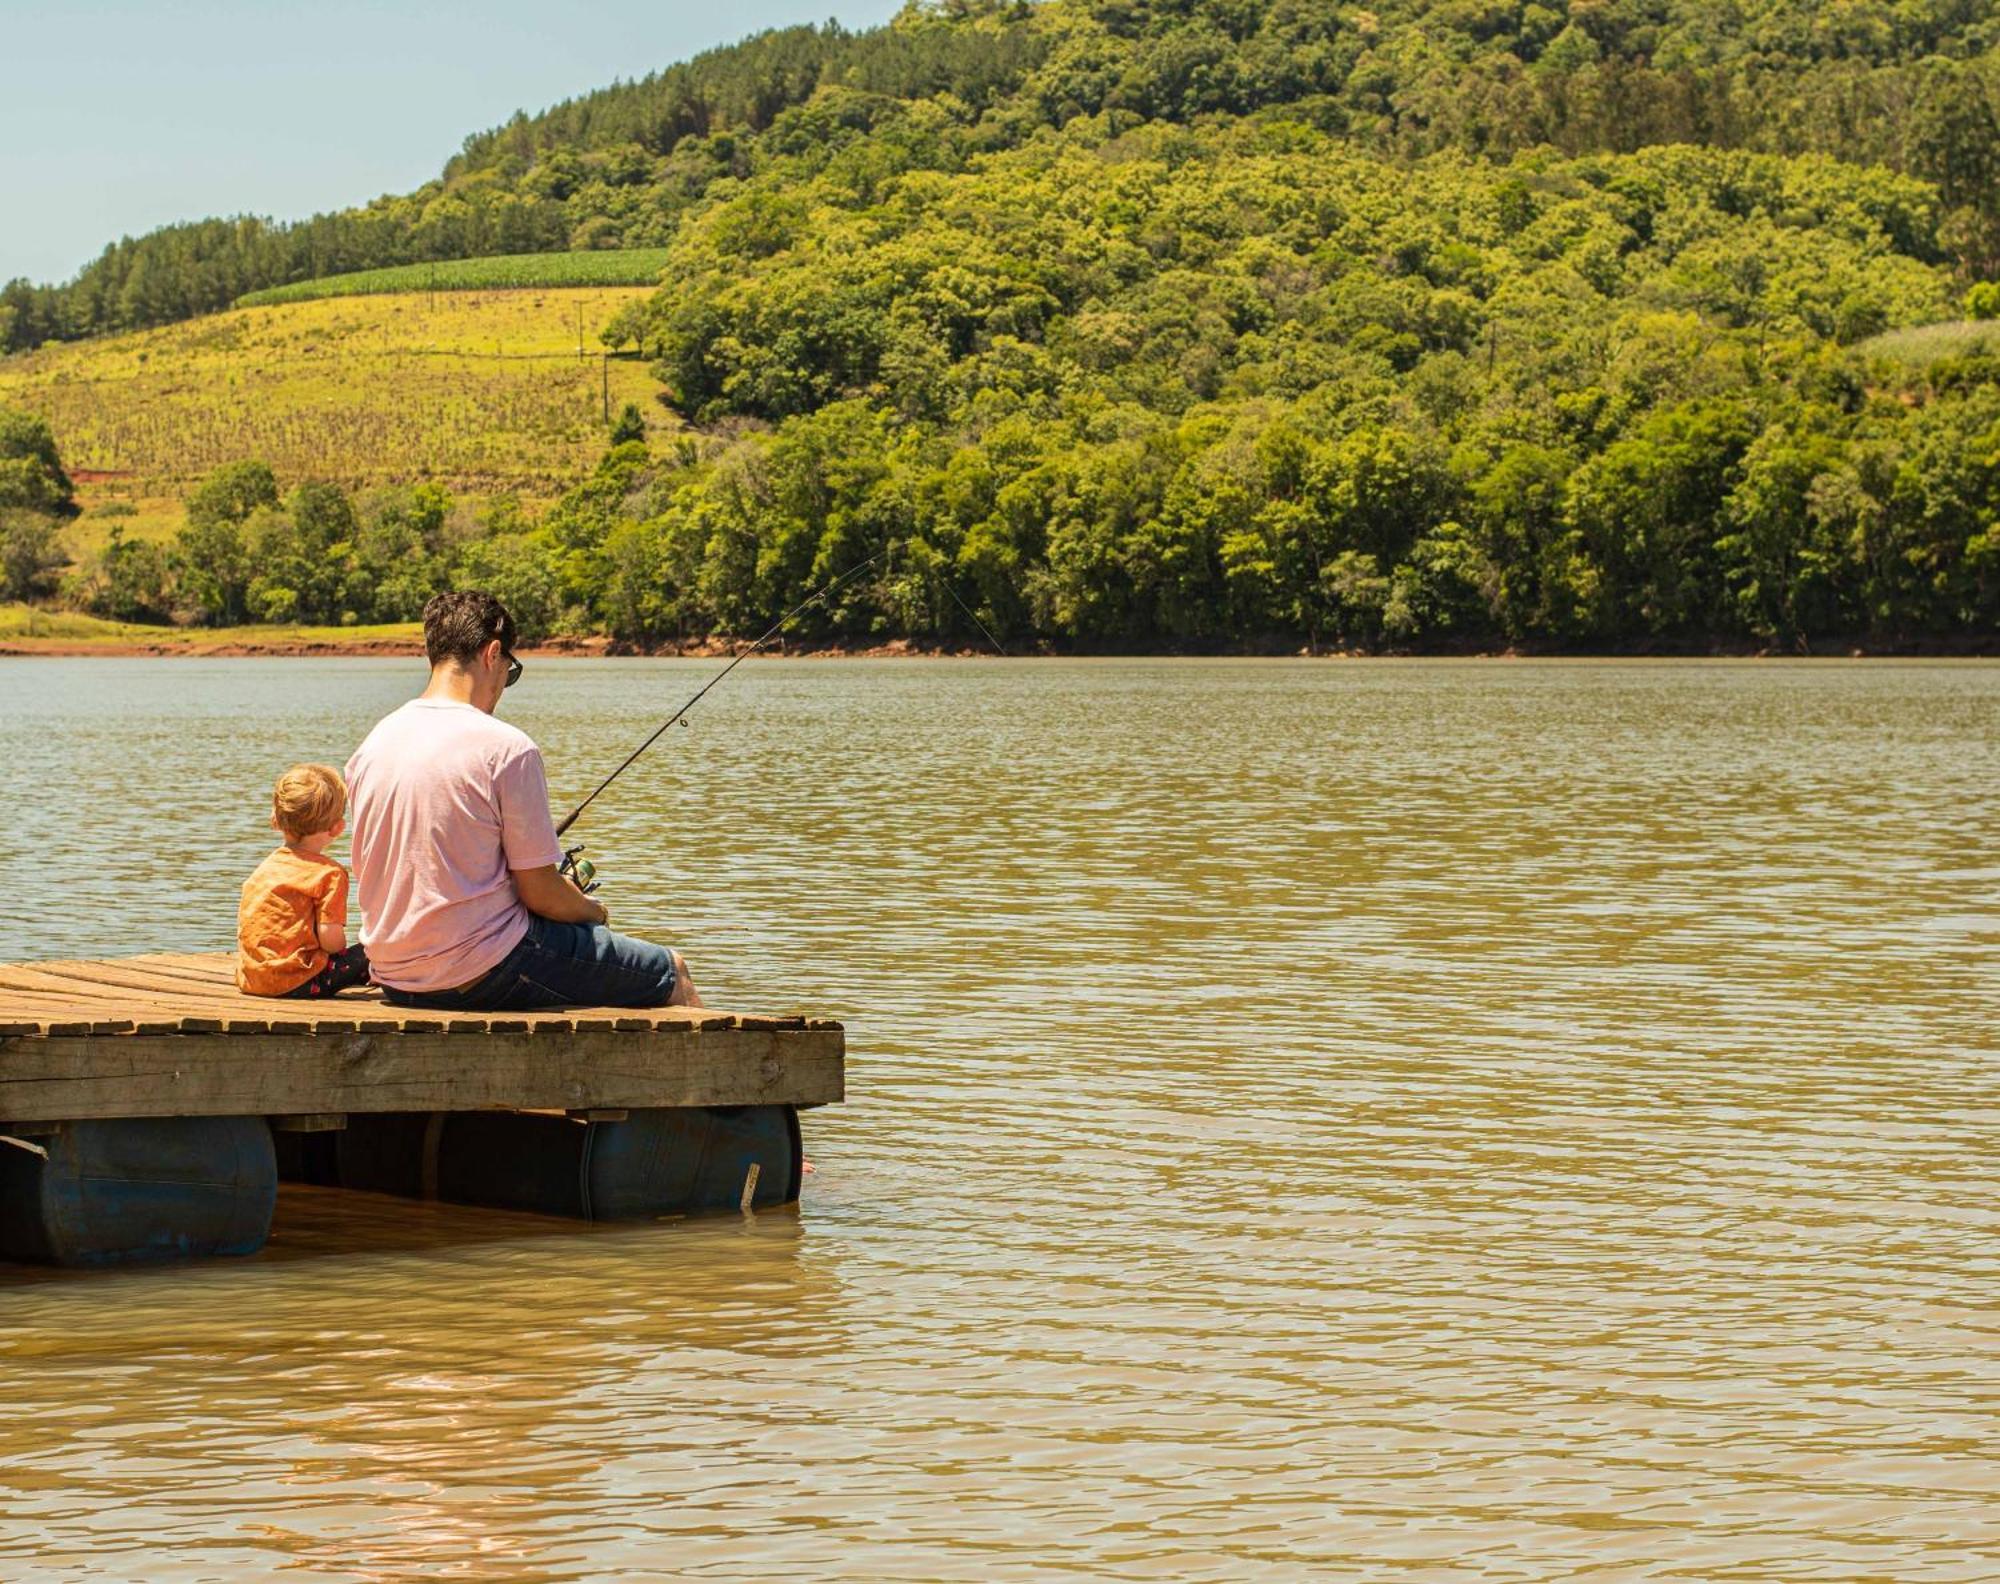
[(285, 900)]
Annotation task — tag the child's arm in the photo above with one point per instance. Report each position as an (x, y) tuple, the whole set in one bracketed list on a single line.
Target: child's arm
[(331, 917)]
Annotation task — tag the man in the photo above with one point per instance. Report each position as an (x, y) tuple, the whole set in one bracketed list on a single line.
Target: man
[(456, 858)]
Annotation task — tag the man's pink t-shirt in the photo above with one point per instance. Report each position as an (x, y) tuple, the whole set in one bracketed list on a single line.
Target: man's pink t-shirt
[(445, 800)]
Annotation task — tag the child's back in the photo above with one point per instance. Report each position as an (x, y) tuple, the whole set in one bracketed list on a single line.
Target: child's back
[(291, 922), (285, 900)]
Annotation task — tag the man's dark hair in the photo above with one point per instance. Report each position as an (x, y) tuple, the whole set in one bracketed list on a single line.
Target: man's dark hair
[(459, 624)]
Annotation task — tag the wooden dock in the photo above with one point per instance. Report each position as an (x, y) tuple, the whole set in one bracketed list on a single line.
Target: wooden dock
[(171, 1035), (148, 1107)]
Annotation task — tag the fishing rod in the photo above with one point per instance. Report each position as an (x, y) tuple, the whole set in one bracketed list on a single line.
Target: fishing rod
[(582, 870)]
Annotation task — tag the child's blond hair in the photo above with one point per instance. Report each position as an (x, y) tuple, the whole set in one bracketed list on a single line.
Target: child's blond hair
[(308, 799)]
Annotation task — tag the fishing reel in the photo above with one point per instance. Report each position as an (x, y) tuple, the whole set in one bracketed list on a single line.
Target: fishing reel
[(580, 871)]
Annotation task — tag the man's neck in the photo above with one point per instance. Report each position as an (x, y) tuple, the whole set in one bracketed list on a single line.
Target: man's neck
[(451, 683)]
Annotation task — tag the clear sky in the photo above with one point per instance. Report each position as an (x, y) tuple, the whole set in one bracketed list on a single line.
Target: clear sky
[(120, 115)]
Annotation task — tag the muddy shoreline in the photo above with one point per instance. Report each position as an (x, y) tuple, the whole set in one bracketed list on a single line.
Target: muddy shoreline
[(224, 647)]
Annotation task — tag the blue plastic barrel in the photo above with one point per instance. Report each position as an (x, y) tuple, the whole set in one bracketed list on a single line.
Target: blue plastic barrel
[(119, 1190), (668, 1161), (692, 1159)]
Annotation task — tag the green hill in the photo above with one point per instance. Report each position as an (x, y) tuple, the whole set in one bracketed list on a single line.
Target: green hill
[(485, 392), (1906, 85), (1241, 323)]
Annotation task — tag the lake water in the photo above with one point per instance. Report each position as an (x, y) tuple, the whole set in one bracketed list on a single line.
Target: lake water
[(1373, 1120)]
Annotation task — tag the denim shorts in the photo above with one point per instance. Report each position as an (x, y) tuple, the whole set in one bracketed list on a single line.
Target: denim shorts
[(560, 965)]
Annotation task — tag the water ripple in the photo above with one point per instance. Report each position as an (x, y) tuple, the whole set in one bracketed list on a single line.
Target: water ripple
[(1402, 1120)]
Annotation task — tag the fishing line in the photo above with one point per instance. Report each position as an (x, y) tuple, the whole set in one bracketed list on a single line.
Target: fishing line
[(680, 715), (998, 648), (975, 620)]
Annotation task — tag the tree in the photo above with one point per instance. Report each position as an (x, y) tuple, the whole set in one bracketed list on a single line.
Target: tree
[(231, 493), (630, 425), (31, 553), (518, 570), (1531, 564), (400, 556), (210, 560), (129, 580), (1784, 569), (1649, 508), (31, 473)]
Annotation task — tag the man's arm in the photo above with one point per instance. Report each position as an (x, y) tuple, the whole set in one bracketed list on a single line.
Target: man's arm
[(549, 895), (528, 833)]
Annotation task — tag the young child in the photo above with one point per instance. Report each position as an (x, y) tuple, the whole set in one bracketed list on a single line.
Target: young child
[(291, 926)]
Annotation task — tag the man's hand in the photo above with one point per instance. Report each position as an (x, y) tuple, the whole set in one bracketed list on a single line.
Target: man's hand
[(550, 895)]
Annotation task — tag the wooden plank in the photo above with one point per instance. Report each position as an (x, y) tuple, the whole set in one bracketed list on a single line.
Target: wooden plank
[(216, 970), (217, 965), (35, 987), (113, 982), (110, 970), (70, 1026), (81, 986), (112, 978), (214, 998), (101, 1018), (29, 1002), (39, 1011), (72, 1023), (60, 997), (69, 1077), (195, 992), (24, 991)]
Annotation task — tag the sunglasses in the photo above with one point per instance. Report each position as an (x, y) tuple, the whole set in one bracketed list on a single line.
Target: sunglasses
[(513, 670)]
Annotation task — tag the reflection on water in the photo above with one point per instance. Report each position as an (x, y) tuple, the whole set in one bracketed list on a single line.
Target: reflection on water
[(1492, 1121)]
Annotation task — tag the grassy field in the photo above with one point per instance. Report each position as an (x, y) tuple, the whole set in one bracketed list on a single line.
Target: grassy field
[(508, 272), (479, 390), (1923, 345), (25, 629)]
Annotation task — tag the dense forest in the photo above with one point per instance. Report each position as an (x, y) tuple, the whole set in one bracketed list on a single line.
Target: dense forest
[(1907, 84), (1218, 323)]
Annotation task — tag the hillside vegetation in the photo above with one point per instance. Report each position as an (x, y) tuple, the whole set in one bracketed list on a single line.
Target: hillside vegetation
[(505, 272), (1923, 346), (1131, 386), (1232, 323), (1909, 84), (24, 630), (482, 391)]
